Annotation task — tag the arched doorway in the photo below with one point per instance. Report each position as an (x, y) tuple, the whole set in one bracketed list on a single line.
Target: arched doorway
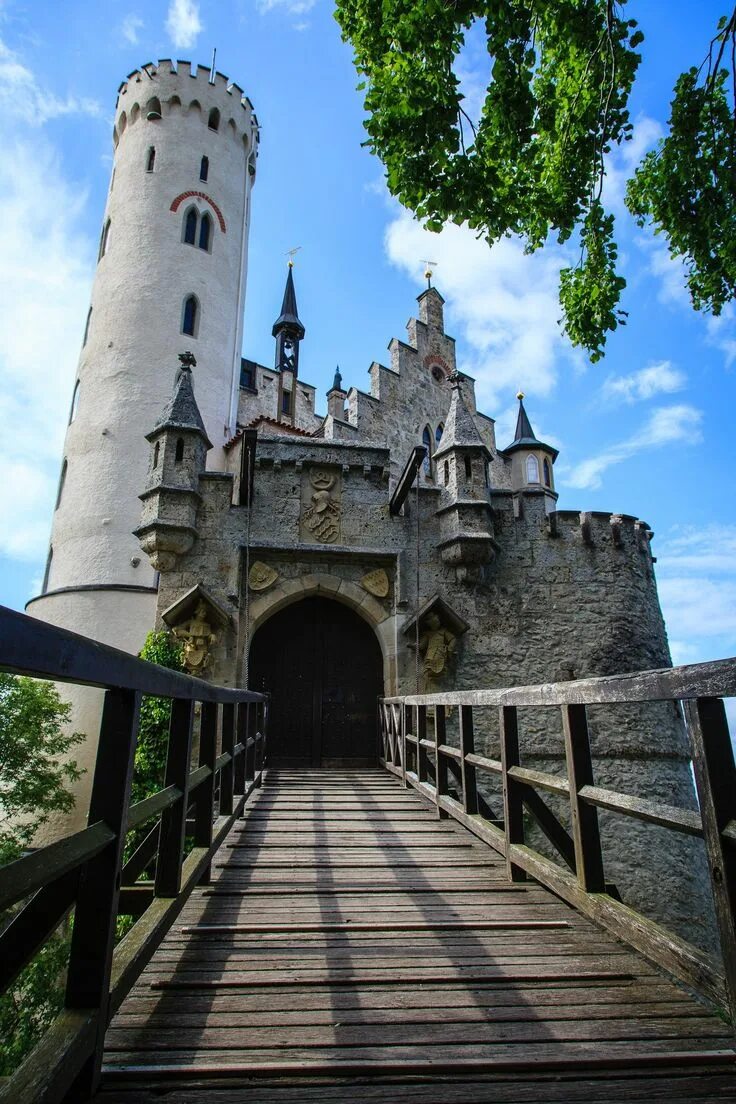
[(322, 664)]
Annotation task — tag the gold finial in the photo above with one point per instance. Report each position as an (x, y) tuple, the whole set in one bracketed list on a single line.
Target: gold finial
[(520, 395), (290, 253), (428, 267)]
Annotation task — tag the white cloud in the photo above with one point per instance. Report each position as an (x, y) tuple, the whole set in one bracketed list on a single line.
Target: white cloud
[(130, 26), (183, 23), (721, 332), (293, 7), (655, 379), (22, 98), (623, 159), (503, 301), (45, 266), (665, 425)]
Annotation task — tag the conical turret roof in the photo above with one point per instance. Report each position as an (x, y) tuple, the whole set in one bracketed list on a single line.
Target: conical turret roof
[(289, 317), (460, 429), (182, 412), (524, 437)]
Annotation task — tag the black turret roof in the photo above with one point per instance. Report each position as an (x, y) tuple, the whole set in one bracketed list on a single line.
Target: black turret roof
[(182, 412), (524, 437), (289, 317)]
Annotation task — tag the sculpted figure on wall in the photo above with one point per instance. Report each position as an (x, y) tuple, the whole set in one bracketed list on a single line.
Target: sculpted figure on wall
[(197, 637), (437, 647)]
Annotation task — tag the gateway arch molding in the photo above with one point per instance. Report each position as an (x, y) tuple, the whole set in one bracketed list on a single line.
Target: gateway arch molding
[(350, 594)]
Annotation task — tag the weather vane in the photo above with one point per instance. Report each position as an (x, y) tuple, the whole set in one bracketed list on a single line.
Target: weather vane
[(291, 253), (428, 267)]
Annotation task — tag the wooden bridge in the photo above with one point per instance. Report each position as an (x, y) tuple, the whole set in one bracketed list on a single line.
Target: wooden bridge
[(367, 935)]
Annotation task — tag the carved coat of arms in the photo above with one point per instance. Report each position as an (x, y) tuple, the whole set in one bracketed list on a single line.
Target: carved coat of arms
[(322, 516)]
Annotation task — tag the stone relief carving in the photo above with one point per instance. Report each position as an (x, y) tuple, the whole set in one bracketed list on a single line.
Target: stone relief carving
[(376, 583), (261, 576), (436, 647), (321, 506), (197, 637)]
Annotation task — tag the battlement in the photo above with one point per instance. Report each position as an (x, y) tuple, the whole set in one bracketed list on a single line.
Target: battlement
[(596, 527), (159, 88)]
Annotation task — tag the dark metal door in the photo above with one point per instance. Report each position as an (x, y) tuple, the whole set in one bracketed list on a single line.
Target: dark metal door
[(322, 665)]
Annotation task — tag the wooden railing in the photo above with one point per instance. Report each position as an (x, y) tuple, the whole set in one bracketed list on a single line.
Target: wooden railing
[(426, 763), (86, 872)]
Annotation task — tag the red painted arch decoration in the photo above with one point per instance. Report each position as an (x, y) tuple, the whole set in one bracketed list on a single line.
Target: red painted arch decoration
[(199, 195)]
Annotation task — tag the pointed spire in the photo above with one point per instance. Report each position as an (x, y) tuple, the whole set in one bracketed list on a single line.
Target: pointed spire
[(182, 412), (460, 429), (524, 437), (337, 381), (289, 317)]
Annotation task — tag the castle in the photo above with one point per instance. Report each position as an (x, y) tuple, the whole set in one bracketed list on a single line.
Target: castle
[(388, 546)]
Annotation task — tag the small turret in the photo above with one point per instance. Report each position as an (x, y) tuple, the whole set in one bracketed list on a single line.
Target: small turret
[(336, 397), (531, 460), (179, 445), (466, 518), (288, 330)]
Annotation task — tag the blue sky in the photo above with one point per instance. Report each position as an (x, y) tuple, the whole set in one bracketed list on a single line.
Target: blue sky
[(646, 432)]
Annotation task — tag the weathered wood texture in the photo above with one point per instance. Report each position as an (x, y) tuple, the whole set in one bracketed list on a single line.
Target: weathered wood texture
[(350, 946)]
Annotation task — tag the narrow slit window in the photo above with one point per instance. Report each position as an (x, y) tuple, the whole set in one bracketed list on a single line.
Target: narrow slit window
[(547, 474), (47, 571), (438, 433), (191, 320), (75, 403), (86, 327), (205, 232), (104, 240), (468, 468), (150, 158), (62, 481), (179, 454), (286, 402), (156, 450), (190, 226), (427, 442), (204, 168), (447, 471)]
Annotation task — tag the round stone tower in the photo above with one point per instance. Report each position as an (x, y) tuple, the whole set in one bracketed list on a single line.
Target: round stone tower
[(170, 278)]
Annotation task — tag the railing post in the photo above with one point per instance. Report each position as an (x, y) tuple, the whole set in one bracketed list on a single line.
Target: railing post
[(227, 774), (422, 758), (239, 771), (93, 937), (174, 819), (440, 736), (513, 807), (405, 728), (204, 802), (250, 739), (715, 778), (584, 817), (467, 747)]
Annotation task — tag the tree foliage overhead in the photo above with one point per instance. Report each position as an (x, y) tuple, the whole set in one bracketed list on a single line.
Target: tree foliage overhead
[(534, 164)]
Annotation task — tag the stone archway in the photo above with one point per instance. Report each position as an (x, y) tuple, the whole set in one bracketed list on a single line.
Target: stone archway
[(322, 663)]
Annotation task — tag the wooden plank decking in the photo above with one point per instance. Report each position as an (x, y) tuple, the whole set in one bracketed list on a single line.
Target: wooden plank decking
[(351, 947)]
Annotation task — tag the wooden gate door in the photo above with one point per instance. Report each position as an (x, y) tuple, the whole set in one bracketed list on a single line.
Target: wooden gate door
[(322, 665)]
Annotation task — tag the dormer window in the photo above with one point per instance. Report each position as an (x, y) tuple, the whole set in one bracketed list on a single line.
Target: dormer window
[(532, 469)]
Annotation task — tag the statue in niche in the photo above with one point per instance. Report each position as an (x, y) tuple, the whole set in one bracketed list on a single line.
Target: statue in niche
[(436, 647), (197, 637), (322, 517)]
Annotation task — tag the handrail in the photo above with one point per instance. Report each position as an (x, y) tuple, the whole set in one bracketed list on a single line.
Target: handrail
[(423, 763), (86, 871)]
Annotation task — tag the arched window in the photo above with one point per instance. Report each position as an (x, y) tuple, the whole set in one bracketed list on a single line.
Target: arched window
[(204, 168), (86, 327), (153, 109), (190, 320), (47, 571), (62, 480), (205, 231), (438, 433), (427, 442), (104, 239), (213, 122), (156, 450), (75, 403), (532, 469), (468, 468), (547, 474), (150, 158), (179, 454), (190, 226), (447, 472)]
